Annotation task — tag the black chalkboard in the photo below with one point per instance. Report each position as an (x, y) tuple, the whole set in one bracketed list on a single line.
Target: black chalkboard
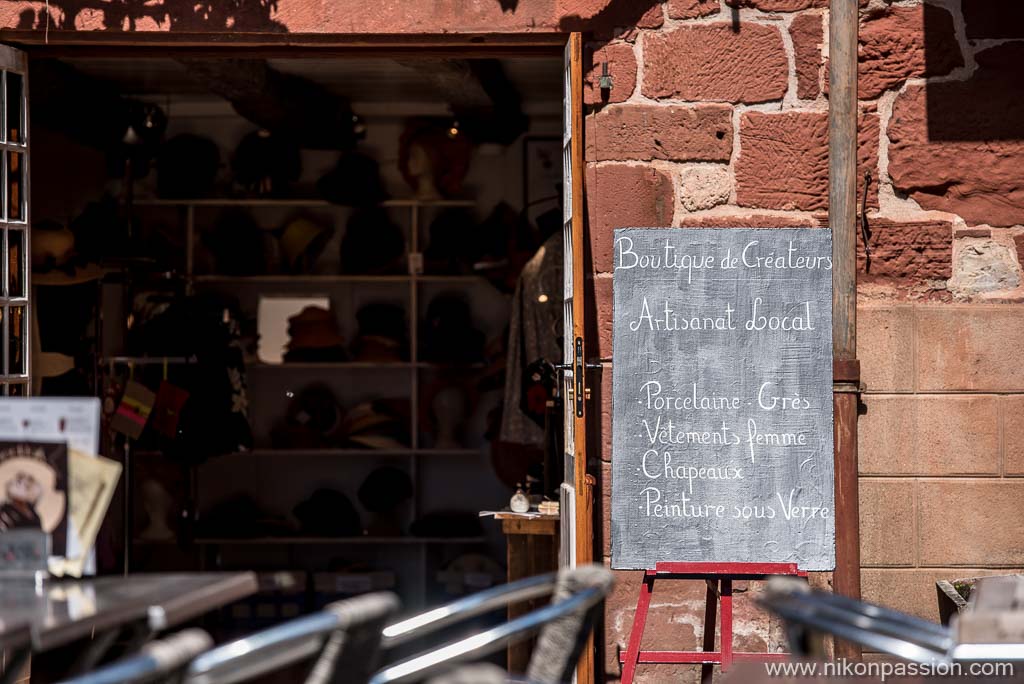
[(722, 397)]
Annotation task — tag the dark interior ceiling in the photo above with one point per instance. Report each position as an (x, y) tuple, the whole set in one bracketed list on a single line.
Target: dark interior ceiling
[(369, 80)]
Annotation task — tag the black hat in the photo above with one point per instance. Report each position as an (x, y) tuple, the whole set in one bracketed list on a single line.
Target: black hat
[(354, 181), (451, 251), (238, 244), (265, 163), (382, 333), (373, 244), (328, 513), (187, 167), (384, 489), (449, 335)]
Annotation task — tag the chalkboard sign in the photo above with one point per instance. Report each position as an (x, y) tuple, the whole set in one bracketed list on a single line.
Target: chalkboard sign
[(722, 397)]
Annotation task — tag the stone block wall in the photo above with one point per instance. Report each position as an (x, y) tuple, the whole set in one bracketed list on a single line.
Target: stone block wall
[(718, 117)]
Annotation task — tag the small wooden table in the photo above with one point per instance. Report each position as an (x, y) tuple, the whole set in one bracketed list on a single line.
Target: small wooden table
[(532, 550)]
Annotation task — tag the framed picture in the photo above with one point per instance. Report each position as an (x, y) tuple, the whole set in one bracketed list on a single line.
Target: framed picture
[(542, 175)]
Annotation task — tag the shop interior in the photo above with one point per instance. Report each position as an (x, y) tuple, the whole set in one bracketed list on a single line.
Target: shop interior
[(321, 300)]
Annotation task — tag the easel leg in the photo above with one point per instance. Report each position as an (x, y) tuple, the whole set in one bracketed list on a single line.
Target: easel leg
[(636, 634), (726, 624), (710, 615)]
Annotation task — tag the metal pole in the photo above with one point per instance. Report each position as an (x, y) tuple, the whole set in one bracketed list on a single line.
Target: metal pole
[(842, 205)]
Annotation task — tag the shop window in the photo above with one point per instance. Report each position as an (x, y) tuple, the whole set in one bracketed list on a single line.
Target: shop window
[(15, 314)]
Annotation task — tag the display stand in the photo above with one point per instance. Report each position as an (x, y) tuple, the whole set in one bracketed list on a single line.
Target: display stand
[(719, 578)]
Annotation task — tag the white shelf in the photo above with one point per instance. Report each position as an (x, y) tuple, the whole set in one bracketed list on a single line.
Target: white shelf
[(342, 453), (327, 278), (337, 541), (291, 202), (359, 365)]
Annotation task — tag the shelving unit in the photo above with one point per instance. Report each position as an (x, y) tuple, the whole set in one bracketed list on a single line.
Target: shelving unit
[(409, 286)]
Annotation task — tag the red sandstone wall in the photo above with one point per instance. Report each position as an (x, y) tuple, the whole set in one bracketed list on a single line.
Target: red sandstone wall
[(739, 137), (717, 117)]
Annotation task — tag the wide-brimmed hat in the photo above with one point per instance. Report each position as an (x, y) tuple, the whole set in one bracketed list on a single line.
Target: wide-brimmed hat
[(313, 328), (382, 333), (302, 242)]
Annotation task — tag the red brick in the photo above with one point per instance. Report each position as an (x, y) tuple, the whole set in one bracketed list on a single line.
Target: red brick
[(603, 309), (739, 218), (808, 33), (604, 19), (918, 250), (778, 5), (970, 347), (783, 161), (711, 62), (971, 522), (624, 196), (691, 9), (1013, 435), (886, 522), (892, 47), (621, 67), (964, 159), (885, 347), (674, 133), (929, 435), (972, 233)]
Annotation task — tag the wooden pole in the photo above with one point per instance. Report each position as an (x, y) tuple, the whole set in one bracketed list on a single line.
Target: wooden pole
[(842, 206)]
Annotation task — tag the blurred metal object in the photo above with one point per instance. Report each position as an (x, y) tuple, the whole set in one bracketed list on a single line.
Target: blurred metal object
[(988, 631), (344, 639), (563, 625), (159, 661)]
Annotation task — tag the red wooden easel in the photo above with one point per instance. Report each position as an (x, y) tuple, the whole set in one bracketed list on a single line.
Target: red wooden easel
[(719, 577)]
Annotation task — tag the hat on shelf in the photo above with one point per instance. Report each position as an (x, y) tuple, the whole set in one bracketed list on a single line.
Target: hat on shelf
[(449, 334), (373, 244), (382, 333), (379, 424), (187, 167), (266, 164), (451, 238), (240, 247), (302, 242), (55, 260), (436, 152), (328, 513), (354, 181), (314, 337), (313, 421)]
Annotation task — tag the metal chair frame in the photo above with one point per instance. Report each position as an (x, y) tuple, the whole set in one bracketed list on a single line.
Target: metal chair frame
[(586, 601)]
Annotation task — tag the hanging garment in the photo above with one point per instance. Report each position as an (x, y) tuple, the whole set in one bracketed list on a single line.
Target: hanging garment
[(535, 332)]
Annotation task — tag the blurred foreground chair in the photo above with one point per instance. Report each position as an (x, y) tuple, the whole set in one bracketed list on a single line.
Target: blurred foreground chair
[(164, 660), (577, 595), (341, 643), (990, 630), (338, 645)]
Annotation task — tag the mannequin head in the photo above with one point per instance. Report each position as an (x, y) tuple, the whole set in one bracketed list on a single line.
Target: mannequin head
[(433, 160)]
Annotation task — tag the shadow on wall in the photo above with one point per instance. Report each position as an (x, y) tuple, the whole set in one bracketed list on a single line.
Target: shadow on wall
[(167, 15), (617, 14), (989, 105)]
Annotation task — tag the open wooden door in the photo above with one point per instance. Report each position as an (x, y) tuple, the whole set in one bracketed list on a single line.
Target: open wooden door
[(15, 329), (576, 504)]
